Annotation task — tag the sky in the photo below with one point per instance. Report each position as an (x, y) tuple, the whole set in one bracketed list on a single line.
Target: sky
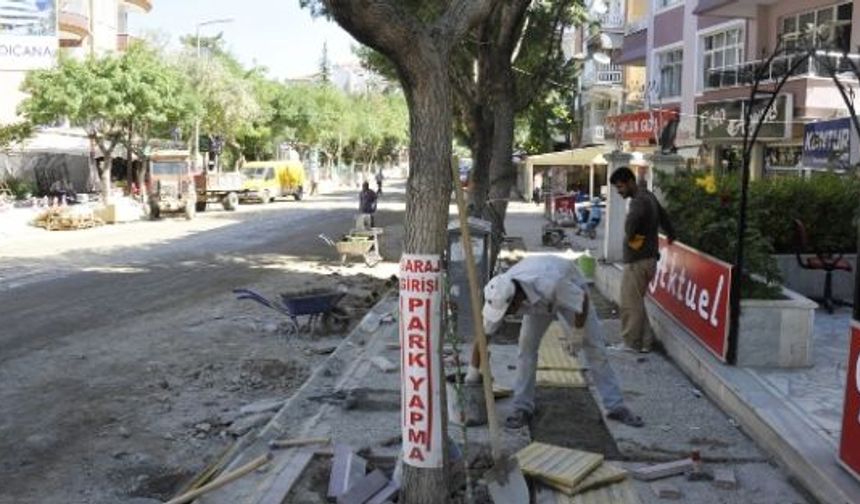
[(277, 34)]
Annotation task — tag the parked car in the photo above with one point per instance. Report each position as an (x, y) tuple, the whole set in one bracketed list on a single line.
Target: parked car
[(266, 180)]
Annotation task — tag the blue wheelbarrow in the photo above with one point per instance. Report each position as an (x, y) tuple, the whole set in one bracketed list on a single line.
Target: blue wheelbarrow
[(318, 306)]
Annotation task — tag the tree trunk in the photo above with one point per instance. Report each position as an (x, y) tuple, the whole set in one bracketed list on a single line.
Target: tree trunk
[(479, 178), (428, 194), (129, 159)]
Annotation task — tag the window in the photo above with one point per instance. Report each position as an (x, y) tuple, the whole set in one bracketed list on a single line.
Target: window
[(669, 65), (722, 53), (793, 30), (665, 4)]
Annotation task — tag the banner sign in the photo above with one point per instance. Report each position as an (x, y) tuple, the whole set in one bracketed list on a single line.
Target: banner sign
[(693, 288), (849, 446), (28, 34), (831, 144), (725, 119), (639, 128), (422, 383)]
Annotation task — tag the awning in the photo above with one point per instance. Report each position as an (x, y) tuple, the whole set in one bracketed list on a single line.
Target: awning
[(576, 157)]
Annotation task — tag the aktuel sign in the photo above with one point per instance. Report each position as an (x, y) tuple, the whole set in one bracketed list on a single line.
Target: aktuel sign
[(639, 128), (693, 288), (849, 446), (421, 376)]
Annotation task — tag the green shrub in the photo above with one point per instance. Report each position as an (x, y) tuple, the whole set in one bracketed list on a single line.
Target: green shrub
[(20, 188), (826, 204), (705, 212)]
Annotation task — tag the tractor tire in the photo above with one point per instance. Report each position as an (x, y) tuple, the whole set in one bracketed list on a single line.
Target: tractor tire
[(200, 206), (230, 202), (154, 211)]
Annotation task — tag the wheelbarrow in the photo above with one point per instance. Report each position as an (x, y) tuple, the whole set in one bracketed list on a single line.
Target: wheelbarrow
[(363, 243), (317, 305)]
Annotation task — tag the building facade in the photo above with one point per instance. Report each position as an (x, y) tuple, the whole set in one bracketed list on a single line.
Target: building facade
[(77, 27), (694, 58)]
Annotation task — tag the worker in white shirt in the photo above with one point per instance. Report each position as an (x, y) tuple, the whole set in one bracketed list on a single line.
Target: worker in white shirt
[(543, 289)]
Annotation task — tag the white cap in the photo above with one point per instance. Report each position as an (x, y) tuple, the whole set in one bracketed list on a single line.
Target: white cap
[(498, 294)]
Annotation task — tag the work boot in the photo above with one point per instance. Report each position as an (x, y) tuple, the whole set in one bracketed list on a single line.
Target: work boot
[(624, 415), (518, 419)]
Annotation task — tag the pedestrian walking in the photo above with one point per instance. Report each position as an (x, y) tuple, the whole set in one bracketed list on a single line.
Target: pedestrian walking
[(379, 179), (641, 251), (545, 288), (367, 202), (315, 180)]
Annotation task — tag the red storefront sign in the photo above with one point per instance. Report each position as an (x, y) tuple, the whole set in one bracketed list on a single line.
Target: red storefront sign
[(640, 128), (421, 369), (849, 447), (693, 288)]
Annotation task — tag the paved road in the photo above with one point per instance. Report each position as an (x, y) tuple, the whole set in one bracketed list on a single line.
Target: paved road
[(85, 314)]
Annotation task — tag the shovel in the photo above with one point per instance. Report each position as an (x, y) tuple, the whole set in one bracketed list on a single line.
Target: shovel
[(505, 481)]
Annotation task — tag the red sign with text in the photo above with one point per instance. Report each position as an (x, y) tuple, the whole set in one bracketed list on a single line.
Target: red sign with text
[(421, 369), (640, 128), (849, 447), (693, 288)]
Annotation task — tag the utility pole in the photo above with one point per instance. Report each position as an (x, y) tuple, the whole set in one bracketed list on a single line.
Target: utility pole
[(195, 147)]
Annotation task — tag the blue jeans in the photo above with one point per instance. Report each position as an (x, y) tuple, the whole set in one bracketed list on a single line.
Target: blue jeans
[(594, 349)]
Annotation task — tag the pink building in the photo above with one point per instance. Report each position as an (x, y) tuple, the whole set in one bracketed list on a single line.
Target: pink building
[(697, 57)]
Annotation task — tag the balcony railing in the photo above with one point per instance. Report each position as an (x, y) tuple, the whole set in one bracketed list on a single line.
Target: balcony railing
[(636, 25), (596, 74), (744, 74)]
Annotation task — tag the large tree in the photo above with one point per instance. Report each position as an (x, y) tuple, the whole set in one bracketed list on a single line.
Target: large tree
[(419, 46)]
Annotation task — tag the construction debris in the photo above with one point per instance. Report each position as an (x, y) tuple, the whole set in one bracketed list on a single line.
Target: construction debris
[(664, 490), (223, 480), (263, 406), (295, 443), (286, 477), (384, 365), (658, 471), (347, 469), (363, 489), (64, 218), (725, 479)]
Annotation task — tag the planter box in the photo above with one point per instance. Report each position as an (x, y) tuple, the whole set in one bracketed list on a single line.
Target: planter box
[(774, 333)]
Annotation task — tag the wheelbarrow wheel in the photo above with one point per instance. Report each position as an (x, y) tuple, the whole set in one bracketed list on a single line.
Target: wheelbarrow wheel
[(372, 259), (336, 320)]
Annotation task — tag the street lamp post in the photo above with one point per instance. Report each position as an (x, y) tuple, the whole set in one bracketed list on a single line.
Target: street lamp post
[(195, 148)]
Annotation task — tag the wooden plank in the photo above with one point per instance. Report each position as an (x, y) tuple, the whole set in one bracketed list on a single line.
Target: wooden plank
[(501, 392), (664, 470), (562, 466), (384, 495), (347, 468), (558, 378), (287, 477), (364, 488)]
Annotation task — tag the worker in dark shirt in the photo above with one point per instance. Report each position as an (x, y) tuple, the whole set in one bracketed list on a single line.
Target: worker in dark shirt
[(367, 202), (641, 251)]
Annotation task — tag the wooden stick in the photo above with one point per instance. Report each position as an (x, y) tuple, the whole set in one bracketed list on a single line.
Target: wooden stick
[(223, 480), (477, 318), (292, 443)]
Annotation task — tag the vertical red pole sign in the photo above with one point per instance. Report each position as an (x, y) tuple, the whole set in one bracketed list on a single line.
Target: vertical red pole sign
[(421, 369), (849, 447)]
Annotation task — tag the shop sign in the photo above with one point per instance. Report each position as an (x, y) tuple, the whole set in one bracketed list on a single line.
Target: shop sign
[(849, 445), (830, 144), (693, 288), (420, 343), (725, 119), (639, 128), (28, 35)]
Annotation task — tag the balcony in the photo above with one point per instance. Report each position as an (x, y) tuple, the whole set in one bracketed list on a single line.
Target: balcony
[(596, 74), (138, 5), (730, 8), (634, 48), (744, 74), (613, 18), (74, 21), (593, 135), (636, 25)]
